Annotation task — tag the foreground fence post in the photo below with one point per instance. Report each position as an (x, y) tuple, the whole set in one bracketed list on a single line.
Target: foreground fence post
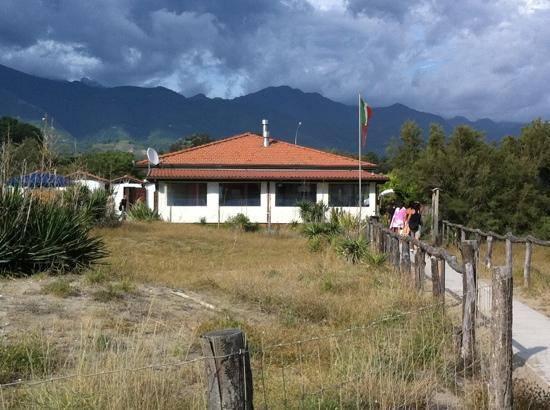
[(527, 264), (500, 385), (228, 372), (469, 299), (489, 256)]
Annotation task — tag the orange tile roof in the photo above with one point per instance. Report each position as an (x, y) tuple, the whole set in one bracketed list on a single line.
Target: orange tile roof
[(247, 150), (263, 174)]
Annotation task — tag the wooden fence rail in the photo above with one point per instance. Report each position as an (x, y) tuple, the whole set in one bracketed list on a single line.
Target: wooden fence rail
[(529, 241)]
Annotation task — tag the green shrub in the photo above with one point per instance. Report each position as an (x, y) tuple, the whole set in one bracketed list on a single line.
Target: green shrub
[(242, 222), (354, 250), (38, 235), (312, 212), (202, 221), (141, 212)]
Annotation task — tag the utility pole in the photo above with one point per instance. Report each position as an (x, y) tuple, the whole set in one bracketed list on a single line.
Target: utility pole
[(296, 134)]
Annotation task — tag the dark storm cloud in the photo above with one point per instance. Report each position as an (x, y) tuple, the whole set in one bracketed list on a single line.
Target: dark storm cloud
[(470, 57)]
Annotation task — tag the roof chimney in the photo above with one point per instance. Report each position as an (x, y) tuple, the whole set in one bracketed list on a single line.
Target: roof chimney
[(265, 132)]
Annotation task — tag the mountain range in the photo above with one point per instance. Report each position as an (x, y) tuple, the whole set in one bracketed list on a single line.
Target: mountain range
[(89, 112)]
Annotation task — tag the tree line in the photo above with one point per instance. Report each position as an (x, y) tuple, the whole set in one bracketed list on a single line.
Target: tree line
[(502, 186)]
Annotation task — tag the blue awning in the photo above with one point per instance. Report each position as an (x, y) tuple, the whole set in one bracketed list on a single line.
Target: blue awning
[(39, 180)]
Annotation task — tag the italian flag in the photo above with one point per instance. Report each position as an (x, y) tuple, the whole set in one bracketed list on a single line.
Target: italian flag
[(365, 112)]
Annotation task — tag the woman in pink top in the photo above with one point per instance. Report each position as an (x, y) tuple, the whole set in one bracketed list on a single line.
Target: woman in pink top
[(398, 219)]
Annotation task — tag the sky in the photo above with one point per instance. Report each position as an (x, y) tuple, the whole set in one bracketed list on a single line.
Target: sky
[(477, 58)]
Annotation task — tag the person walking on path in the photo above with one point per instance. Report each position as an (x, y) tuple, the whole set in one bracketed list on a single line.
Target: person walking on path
[(415, 221), (398, 219)]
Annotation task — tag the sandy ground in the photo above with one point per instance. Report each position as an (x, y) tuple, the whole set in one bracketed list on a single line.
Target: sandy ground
[(24, 308)]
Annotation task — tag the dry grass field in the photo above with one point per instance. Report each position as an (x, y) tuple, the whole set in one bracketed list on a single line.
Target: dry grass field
[(360, 347)]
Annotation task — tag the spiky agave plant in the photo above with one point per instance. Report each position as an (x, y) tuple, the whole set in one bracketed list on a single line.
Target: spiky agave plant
[(38, 235), (141, 212)]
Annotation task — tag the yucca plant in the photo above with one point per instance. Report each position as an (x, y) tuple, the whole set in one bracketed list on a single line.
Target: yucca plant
[(312, 211), (242, 222), (41, 235), (353, 250), (141, 212)]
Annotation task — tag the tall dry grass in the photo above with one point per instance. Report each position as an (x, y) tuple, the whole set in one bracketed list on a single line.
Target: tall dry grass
[(359, 348)]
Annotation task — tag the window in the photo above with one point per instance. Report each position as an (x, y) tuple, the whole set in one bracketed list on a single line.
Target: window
[(236, 194), (187, 194), (289, 194), (347, 195)]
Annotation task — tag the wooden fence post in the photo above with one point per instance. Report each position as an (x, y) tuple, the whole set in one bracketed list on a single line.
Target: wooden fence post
[(527, 264), (396, 256), (441, 270), (462, 235), (469, 299), (405, 259), (436, 284), (380, 239), (489, 256), (500, 385), (420, 266), (509, 253), (228, 372)]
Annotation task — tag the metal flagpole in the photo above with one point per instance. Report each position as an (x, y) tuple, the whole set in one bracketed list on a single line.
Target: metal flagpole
[(359, 135)]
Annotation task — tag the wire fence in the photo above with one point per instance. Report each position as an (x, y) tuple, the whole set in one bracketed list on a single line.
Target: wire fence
[(402, 360), (405, 359)]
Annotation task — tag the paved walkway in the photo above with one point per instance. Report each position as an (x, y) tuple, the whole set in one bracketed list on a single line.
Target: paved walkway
[(530, 329)]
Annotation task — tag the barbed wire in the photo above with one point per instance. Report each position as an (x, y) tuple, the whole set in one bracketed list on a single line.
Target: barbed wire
[(159, 366)]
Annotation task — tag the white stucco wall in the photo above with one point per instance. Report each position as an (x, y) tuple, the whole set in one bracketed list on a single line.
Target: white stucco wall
[(118, 192), (91, 184), (150, 195), (213, 213)]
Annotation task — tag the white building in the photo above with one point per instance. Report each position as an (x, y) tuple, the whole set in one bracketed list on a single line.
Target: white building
[(260, 177), (90, 181), (128, 187)]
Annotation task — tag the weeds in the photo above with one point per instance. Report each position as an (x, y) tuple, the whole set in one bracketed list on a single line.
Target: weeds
[(94, 277), (26, 357), (62, 288), (114, 291)]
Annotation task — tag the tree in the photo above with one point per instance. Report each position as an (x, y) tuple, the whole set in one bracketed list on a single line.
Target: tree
[(190, 141), (17, 131), (109, 164)]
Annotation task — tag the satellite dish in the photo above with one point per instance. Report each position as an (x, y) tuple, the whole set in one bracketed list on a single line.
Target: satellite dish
[(152, 156), (387, 192)]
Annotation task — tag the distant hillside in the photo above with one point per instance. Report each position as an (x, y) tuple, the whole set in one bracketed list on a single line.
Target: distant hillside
[(91, 112)]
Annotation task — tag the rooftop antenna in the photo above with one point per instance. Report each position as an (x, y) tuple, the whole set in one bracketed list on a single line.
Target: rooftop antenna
[(152, 159)]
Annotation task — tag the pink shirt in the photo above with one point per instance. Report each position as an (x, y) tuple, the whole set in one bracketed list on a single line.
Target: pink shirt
[(398, 219)]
